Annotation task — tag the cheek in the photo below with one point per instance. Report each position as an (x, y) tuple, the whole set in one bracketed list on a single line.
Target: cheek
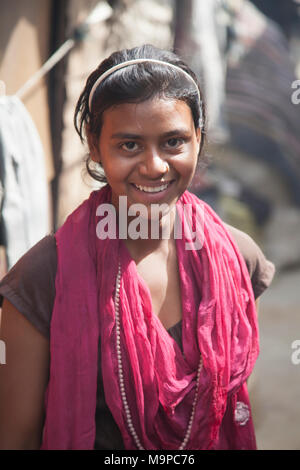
[(186, 164), (117, 169)]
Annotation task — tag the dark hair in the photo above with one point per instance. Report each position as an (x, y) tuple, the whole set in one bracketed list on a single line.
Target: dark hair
[(135, 84)]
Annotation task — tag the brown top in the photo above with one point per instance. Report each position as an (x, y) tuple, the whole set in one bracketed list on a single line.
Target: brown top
[(30, 287)]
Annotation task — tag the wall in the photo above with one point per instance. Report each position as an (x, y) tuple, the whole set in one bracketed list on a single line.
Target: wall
[(24, 47)]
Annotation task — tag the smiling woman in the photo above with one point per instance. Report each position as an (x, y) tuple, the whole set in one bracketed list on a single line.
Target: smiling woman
[(152, 338)]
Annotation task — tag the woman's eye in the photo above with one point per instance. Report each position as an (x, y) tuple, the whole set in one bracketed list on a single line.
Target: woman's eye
[(129, 146), (174, 142)]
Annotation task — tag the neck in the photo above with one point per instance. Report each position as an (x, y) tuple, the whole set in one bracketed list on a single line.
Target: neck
[(161, 241)]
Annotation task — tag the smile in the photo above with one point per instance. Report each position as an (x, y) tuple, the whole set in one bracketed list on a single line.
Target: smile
[(152, 189)]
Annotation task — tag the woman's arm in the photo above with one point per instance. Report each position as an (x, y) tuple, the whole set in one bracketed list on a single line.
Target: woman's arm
[(257, 305), (23, 381)]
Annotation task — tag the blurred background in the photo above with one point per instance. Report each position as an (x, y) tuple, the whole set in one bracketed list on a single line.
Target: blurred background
[(247, 57)]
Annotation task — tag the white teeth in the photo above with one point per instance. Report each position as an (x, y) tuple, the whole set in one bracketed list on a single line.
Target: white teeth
[(147, 189)]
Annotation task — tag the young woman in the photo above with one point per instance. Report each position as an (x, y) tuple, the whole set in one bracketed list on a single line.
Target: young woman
[(118, 335)]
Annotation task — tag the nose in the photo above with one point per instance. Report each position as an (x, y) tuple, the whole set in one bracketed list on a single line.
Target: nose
[(153, 165)]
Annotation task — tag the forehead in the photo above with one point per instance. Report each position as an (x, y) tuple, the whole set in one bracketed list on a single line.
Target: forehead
[(151, 116)]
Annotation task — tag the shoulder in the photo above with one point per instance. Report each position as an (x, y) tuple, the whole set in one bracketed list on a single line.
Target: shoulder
[(261, 270), (30, 283)]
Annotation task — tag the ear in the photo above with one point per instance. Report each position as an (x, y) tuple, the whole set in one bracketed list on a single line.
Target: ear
[(198, 137), (93, 144)]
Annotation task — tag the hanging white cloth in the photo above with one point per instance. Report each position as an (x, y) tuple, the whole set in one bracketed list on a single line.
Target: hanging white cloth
[(209, 37), (24, 215)]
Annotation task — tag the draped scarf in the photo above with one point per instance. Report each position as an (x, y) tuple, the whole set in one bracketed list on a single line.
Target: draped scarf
[(219, 324)]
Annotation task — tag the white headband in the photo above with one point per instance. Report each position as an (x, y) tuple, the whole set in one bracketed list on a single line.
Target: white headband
[(132, 62)]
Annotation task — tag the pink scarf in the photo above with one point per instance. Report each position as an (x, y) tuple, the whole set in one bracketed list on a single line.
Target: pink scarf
[(219, 321)]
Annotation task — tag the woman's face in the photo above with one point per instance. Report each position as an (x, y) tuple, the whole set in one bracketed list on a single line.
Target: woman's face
[(148, 151)]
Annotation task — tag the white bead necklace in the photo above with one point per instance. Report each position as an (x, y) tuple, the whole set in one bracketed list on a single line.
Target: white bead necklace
[(121, 378)]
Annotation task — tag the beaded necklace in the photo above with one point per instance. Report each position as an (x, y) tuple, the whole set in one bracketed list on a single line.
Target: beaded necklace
[(121, 378)]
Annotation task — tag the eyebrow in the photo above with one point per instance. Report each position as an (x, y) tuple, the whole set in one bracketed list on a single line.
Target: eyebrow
[(126, 135)]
